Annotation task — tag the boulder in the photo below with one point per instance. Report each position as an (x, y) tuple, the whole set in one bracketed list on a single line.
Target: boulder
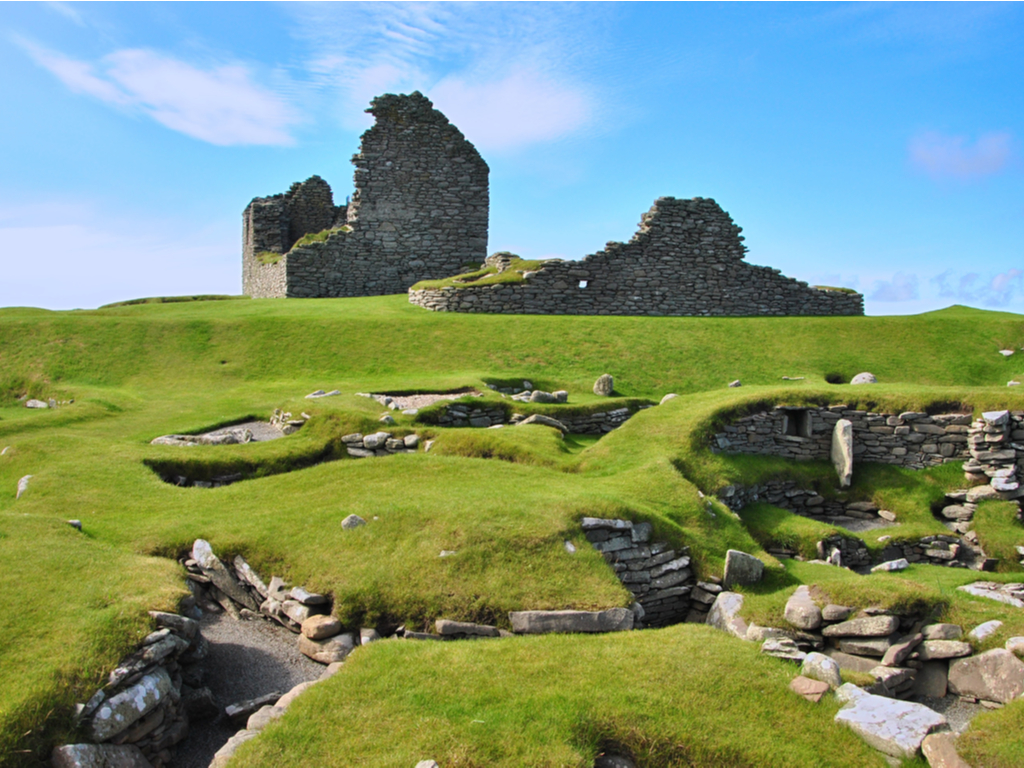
[(547, 421), (724, 614), (940, 751), (818, 666), (22, 486), (538, 396), (132, 704), (833, 612), (1015, 645), (327, 651), (605, 385), (741, 568), (376, 440), (980, 632), (868, 626), (891, 726), (321, 627), (411, 441), (891, 565), (352, 521), (995, 675), (801, 610), (98, 756), (864, 378), (263, 717), (842, 451), (930, 650), (812, 690), (669, 396), (901, 649), (218, 573), (545, 622)]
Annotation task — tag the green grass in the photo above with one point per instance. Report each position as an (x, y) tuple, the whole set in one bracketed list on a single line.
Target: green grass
[(505, 500), (180, 299), (485, 276), (321, 236), (1000, 533), (837, 289), (266, 258)]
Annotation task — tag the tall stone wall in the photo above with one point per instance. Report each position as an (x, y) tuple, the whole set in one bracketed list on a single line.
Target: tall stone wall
[(419, 211), (685, 259)]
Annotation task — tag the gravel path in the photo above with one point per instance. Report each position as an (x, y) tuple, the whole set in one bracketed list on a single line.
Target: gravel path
[(247, 659), (261, 430), (959, 713)]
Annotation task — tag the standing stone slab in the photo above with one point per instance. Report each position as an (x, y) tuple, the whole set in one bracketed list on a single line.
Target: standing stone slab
[(22, 486), (842, 451), (868, 626), (891, 726), (605, 385), (547, 622), (940, 751), (995, 675), (218, 573), (741, 568), (724, 614), (120, 711), (801, 610)]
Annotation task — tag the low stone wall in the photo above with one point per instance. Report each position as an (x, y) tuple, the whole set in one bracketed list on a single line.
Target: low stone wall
[(601, 422), (786, 494), (463, 415), (910, 439), (996, 445), (362, 446), (659, 577)]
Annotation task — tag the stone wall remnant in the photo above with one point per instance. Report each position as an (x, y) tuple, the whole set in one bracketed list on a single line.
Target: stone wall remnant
[(686, 259), (419, 211)]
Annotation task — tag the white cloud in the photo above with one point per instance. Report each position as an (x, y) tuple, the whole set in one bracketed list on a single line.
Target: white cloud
[(941, 156), (998, 290), (902, 287), (220, 105)]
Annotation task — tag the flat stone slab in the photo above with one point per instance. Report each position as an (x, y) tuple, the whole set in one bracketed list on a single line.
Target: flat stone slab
[(547, 622), (1011, 594), (741, 568), (812, 690), (118, 712), (995, 675), (98, 756), (891, 726), (868, 626), (449, 628)]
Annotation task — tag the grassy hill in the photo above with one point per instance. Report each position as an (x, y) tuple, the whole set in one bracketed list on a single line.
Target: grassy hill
[(72, 603)]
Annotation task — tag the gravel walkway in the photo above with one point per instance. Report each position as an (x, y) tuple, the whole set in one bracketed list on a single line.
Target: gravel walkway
[(261, 430), (247, 659)]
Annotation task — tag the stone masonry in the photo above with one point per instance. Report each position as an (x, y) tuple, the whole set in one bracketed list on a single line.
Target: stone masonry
[(685, 259), (419, 211)]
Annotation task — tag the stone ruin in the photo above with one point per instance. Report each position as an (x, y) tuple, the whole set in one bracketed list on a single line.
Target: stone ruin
[(419, 211)]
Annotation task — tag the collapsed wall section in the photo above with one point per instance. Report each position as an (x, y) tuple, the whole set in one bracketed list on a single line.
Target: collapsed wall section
[(419, 211), (686, 259)]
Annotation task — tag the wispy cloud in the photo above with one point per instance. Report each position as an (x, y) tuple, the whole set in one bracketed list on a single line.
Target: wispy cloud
[(67, 11), (220, 105), (506, 74), (902, 287), (990, 290), (942, 156)]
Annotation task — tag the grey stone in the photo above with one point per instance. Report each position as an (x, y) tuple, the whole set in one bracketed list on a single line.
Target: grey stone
[(957, 512), (851, 662), (22, 486), (982, 631), (995, 675), (218, 573), (741, 568), (669, 396), (36, 404), (180, 625), (735, 383), (1015, 645), (98, 756), (376, 440), (939, 750), (892, 565), (724, 614), (411, 441), (329, 650), (801, 611), (931, 650), (298, 612), (605, 385), (992, 592), (352, 521), (250, 577), (225, 753), (996, 418), (118, 712), (447, 628), (891, 726), (865, 646), (842, 451), (546, 421), (263, 717), (302, 595), (427, 764), (544, 622), (782, 648), (901, 649), (818, 666), (833, 612), (320, 627), (864, 378), (867, 626), (240, 711), (942, 632)]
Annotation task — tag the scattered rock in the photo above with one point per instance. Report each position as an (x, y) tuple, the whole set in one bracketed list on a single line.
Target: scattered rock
[(818, 666), (448, 628), (801, 610), (427, 764), (735, 383), (321, 393), (547, 421), (22, 486), (1005, 352), (36, 404), (669, 396), (812, 690), (864, 378), (891, 565), (605, 385), (544, 622), (995, 675), (332, 649), (387, 419), (321, 627), (1003, 593), (77, 524), (352, 521), (240, 711), (891, 726), (980, 632), (741, 568), (724, 614)]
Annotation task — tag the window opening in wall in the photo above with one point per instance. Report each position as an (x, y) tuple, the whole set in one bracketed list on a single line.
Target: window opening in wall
[(583, 283), (797, 422)]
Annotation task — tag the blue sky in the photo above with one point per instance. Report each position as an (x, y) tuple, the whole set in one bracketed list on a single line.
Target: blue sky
[(876, 146)]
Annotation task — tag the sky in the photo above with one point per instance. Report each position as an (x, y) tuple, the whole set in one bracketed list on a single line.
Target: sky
[(875, 146)]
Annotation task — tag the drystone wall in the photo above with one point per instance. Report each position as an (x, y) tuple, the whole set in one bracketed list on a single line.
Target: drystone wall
[(462, 415), (419, 211), (685, 259), (910, 439)]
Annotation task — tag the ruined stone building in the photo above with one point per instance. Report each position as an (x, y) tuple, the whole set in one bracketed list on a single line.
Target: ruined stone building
[(419, 210)]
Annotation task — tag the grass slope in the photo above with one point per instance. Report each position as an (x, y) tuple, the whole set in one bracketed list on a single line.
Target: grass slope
[(505, 500)]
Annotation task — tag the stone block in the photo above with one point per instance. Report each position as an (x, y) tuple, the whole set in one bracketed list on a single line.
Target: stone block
[(546, 622), (995, 675), (741, 568)]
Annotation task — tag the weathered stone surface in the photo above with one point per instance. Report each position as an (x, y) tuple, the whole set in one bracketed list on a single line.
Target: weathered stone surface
[(892, 565), (724, 614), (782, 648), (98, 756), (833, 612), (352, 521), (931, 650), (327, 651), (447, 628), (995, 675), (1015, 645), (865, 646), (666, 398), (982, 631), (180, 625), (801, 611), (741, 568), (891, 726), (263, 717), (864, 378), (304, 596), (427, 764), (890, 680), (298, 612), (812, 690), (546, 421), (931, 679), (120, 711), (240, 711), (604, 385), (842, 451), (22, 486), (286, 700), (36, 404), (901, 649), (939, 750), (218, 573), (993, 591), (545, 622), (818, 666), (321, 627), (868, 626), (225, 753), (250, 577), (850, 662), (942, 632)]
